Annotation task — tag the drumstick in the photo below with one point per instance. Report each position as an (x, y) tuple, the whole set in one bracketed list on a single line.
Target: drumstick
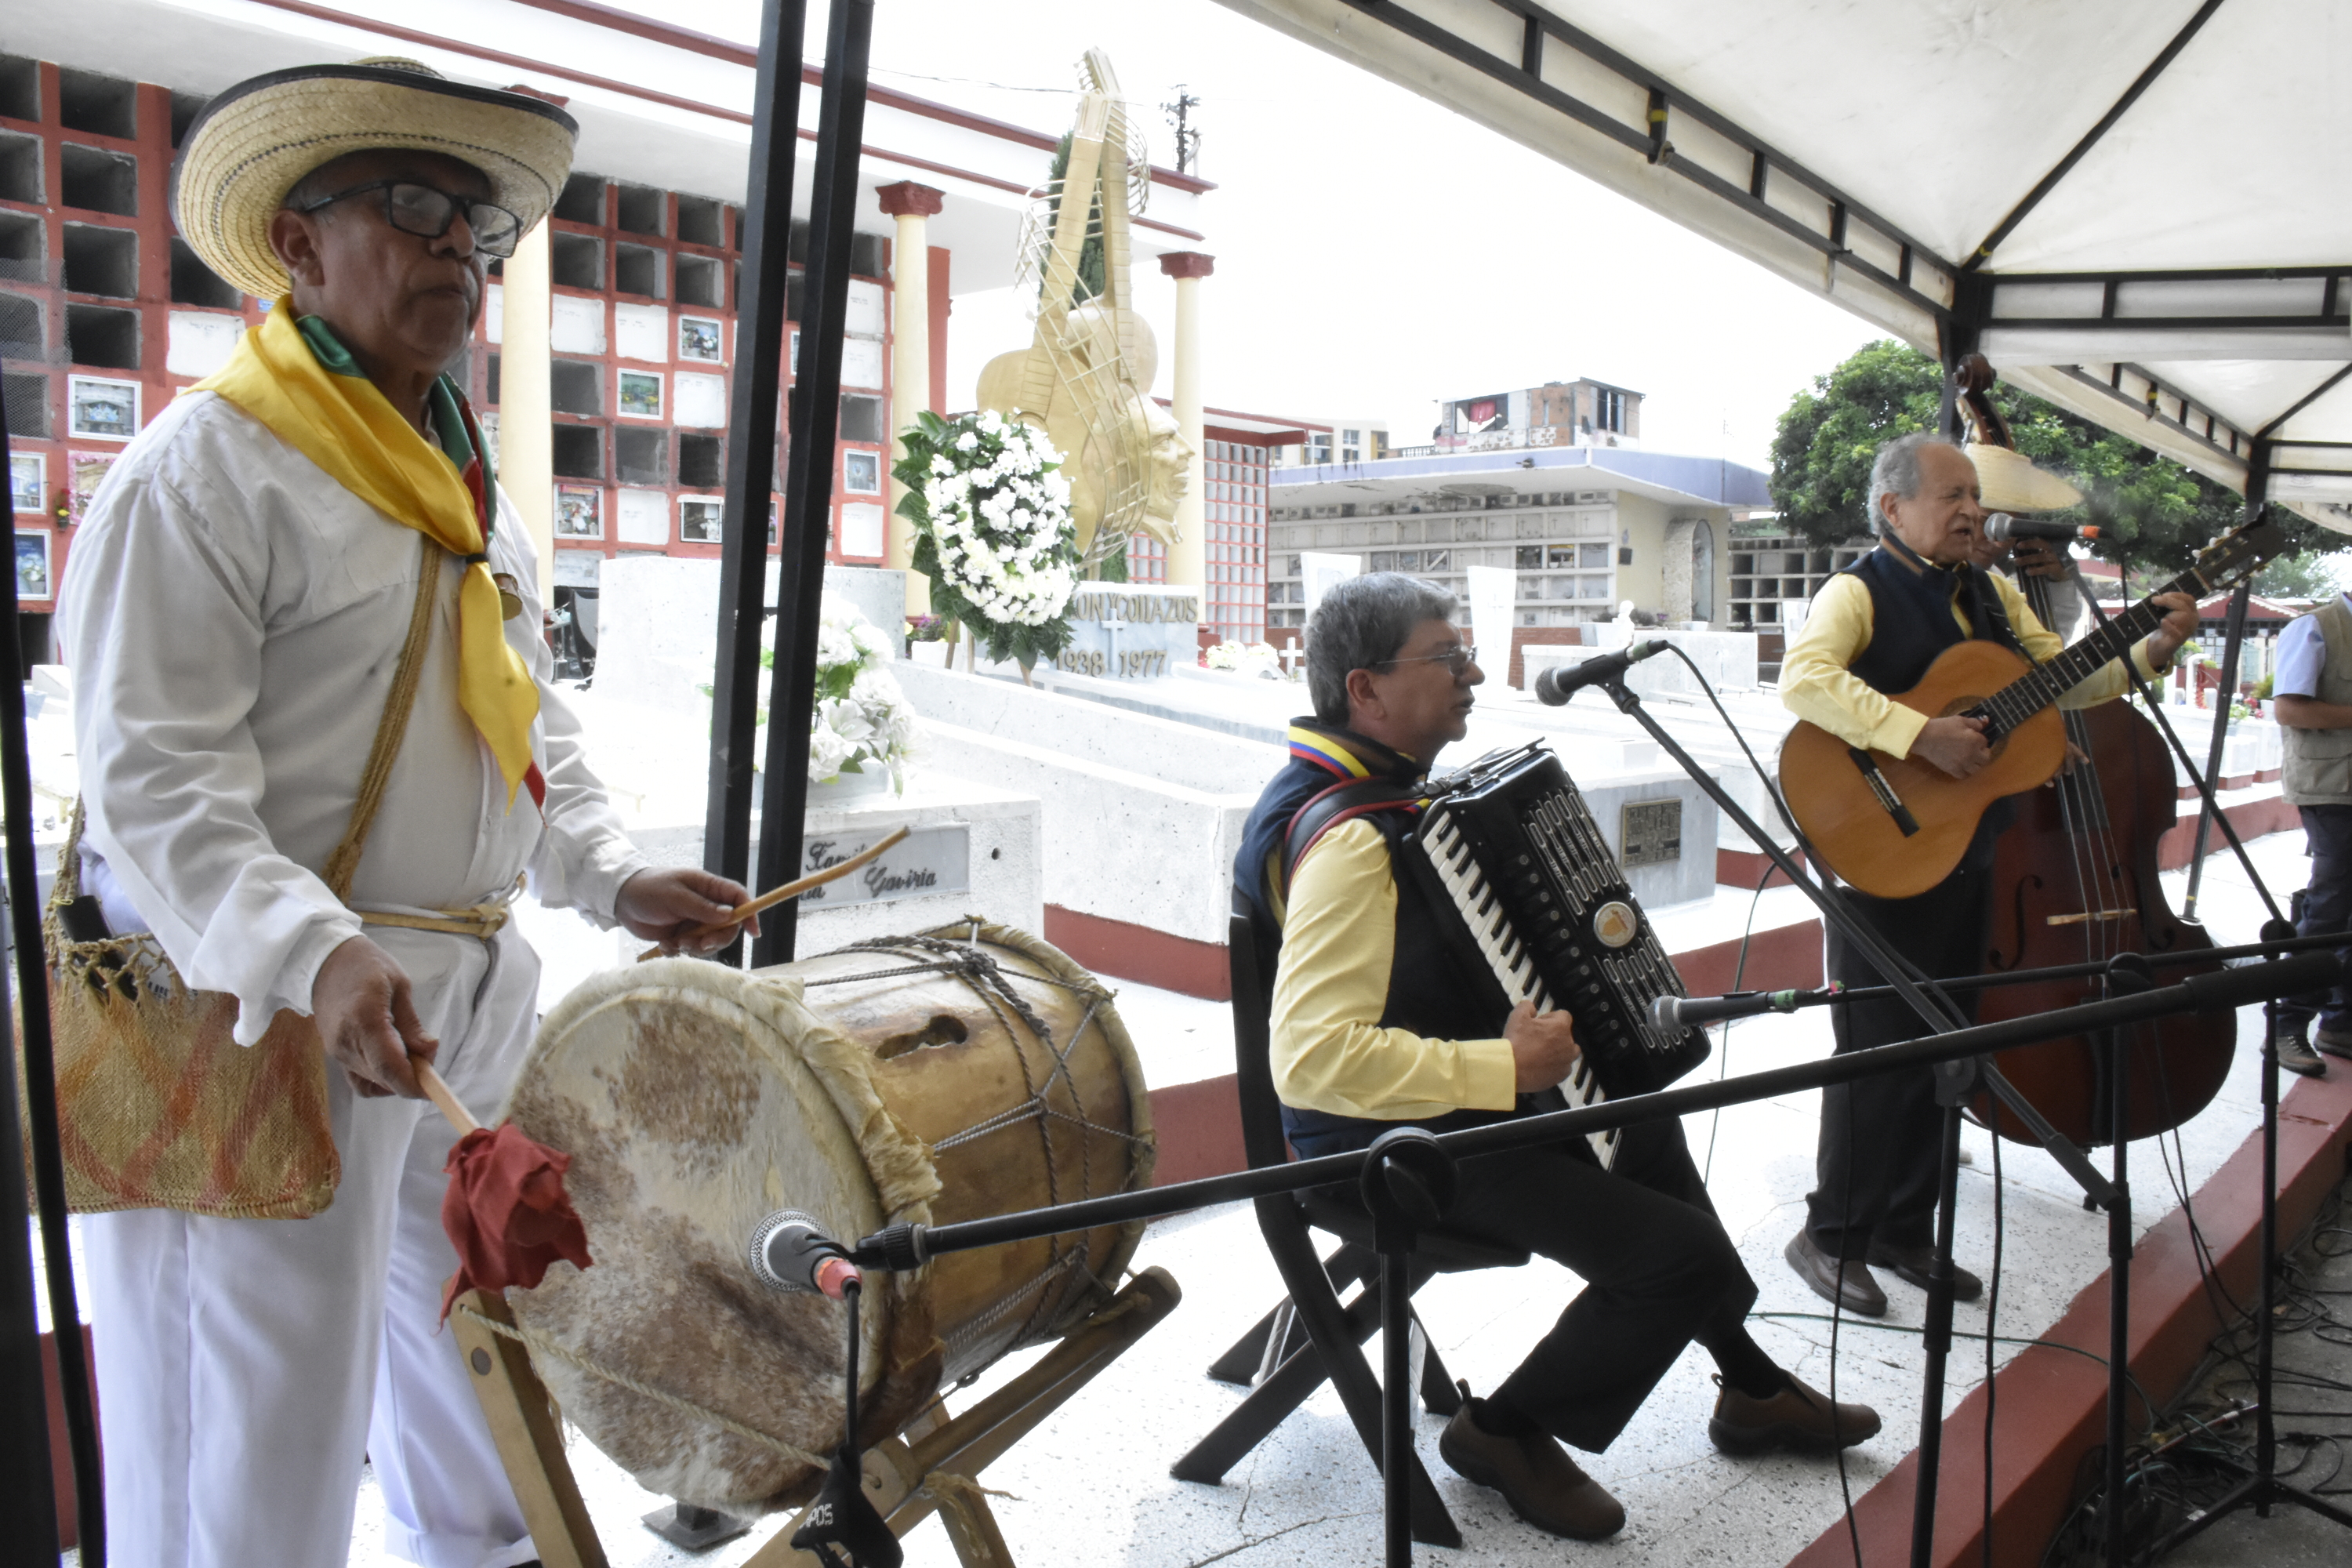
[(776, 896), (438, 1093)]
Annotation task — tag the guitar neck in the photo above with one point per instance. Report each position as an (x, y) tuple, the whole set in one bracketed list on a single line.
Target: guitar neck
[(2029, 693)]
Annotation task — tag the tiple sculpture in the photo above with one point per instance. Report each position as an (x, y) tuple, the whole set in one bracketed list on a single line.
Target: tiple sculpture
[(1086, 377)]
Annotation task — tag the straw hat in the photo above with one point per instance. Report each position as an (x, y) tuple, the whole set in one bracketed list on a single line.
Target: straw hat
[(253, 142), (2009, 482)]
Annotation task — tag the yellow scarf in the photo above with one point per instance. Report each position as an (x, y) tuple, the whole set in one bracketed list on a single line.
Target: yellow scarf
[(344, 424)]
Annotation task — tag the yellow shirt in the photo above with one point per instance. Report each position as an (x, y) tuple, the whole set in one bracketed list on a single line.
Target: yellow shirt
[(1818, 685), (1338, 945)]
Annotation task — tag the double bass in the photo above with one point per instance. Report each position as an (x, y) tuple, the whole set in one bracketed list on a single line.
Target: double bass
[(2074, 881)]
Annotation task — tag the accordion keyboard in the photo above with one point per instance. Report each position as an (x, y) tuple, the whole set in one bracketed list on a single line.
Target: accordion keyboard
[(1518, 858)]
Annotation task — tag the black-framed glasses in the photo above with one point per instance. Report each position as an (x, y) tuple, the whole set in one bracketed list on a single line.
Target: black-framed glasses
[(1457, 659), (423, 211)]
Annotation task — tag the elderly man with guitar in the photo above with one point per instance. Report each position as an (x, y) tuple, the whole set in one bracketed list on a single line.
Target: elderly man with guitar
[(1854, 768)]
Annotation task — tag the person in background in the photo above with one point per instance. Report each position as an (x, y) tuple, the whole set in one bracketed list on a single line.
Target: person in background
[(2310, 690)]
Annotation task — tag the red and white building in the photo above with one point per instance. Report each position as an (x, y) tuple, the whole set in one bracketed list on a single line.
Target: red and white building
[(105, 315)]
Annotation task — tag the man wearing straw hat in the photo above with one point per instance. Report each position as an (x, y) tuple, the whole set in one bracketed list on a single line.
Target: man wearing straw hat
[(234, 610)]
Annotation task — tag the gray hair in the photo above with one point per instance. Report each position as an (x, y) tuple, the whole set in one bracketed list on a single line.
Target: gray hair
[(1362, 623), (1895, 472)]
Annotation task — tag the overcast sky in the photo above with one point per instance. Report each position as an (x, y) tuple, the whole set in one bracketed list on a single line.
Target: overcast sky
[(1375, 253)]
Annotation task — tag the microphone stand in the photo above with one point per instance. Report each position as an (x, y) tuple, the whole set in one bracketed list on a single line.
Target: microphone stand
[(1953, 1089), (2263, 1487), (1407, 1175)]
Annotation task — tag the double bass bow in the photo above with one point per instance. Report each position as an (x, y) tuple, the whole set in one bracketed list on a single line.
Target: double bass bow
[(2074, 881)]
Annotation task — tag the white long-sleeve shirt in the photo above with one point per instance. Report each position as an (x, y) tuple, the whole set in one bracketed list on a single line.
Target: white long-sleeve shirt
[(234, 617)]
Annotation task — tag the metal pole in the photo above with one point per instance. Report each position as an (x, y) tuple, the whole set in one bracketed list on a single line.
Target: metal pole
[(909, 1245), (808, 484), (2207, 804), (32, 1535), (1396, 1401), (766, 239), (1938, 1336), (2258, 483)]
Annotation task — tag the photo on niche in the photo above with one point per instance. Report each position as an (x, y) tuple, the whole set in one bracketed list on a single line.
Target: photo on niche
[(87, 469), (699, 339), (106, 410), (697, 519), (33, 567), (640, 394), (861, 473), (28, 475), (579, 511)]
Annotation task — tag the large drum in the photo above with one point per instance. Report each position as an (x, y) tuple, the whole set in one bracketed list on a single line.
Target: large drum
[(967, 1072)]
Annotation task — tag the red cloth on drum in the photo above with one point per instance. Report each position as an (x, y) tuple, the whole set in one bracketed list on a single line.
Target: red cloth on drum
[(507, 1213)]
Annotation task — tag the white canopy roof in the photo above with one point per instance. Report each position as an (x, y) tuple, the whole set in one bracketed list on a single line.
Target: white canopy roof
[(2136, 210)]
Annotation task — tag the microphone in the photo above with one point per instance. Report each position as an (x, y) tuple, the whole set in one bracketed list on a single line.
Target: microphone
[(1556, 686), (1689, 1012), (2001, 528), (790, 1252)]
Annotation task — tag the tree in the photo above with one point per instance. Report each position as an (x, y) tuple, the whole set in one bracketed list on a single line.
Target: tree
[(2313, 574), (2152, 513)]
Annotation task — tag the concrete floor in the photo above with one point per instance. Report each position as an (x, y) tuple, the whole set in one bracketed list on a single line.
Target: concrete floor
[(1092, 1484)]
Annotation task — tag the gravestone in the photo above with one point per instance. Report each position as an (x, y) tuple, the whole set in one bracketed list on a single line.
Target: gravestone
[(1129, 631)]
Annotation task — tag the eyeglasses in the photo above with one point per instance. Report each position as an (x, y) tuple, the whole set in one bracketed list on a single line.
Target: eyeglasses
[(426, 211), (1457, 659)]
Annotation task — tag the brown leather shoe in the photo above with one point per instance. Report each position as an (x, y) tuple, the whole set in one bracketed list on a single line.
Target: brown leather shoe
[(1910, 1266), (1848, 1284), (2294, 1052), (2335, 1042), (1534, 1476), (1799, 1417)]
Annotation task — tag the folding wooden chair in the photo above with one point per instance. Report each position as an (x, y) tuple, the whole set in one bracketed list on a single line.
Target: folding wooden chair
[(1311, 1334)]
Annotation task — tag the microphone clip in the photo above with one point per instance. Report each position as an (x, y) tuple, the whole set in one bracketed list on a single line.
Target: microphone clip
[(790, 1251)]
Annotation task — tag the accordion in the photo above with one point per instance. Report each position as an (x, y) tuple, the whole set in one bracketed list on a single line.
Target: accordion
[(1508, 844)]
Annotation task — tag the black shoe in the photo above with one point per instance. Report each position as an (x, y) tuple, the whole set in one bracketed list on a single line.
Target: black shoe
[(1799, 1417), (1848, 1284), (1534, 1476), (2295, 1053), (1910, 1266)]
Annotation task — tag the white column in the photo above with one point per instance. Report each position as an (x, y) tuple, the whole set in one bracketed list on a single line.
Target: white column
[(526, 403), (1188, 557), (911, 359)]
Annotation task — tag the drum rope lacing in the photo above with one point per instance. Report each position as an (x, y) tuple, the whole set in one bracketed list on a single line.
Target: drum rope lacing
[(550, 1345), (993, 984)]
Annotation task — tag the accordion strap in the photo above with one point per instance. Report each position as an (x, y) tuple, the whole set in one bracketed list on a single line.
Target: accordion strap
[(1343, 802)]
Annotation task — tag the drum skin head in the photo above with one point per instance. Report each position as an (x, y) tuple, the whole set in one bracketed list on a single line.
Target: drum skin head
[(695, 1100)]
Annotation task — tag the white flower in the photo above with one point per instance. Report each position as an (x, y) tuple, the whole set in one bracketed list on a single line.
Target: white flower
[(827, 752)]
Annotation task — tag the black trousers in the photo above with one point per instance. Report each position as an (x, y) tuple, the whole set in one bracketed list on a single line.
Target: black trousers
[(2325, 908), (1874, 1167), (1658, 1270)]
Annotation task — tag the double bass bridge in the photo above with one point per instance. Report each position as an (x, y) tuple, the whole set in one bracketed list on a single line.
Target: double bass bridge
[(2086, 916)]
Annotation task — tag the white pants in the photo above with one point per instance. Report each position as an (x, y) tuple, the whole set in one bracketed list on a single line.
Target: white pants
[(246, 1367)]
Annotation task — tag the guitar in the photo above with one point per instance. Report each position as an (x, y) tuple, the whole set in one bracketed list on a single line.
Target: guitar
[(1893, 827)]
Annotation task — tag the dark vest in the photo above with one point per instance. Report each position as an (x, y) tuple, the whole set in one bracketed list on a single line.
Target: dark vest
[(1911, 619), (1430, 993), (1910, 623)]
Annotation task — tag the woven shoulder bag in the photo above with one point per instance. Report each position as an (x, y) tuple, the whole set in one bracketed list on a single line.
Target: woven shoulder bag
[(158, 1106)]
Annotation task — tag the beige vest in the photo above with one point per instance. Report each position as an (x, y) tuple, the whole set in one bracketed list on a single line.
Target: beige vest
[(2319, 769)]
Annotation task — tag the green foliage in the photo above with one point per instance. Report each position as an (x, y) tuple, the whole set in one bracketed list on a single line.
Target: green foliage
[(2152, 513), (1090, 255), (932, 438), (2311, 574)]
